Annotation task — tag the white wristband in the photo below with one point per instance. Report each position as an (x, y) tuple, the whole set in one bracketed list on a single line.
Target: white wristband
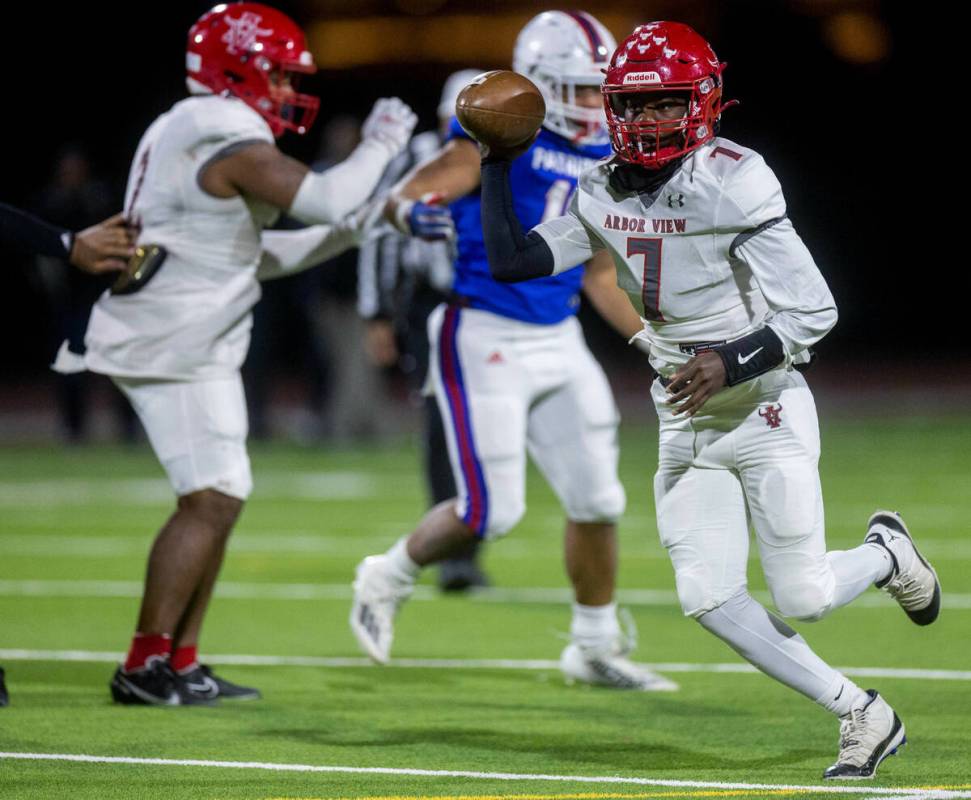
[(402, 212)]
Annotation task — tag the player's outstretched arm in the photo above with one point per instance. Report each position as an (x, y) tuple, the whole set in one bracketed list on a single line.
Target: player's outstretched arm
[(104, 247), (258, 169), (513, 257), (289, 252), (416, 205), (27, 233)]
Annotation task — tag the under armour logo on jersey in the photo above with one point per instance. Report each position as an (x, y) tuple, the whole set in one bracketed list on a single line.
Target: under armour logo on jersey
[(242, 32), (675, 200), (772, 415), (495, 358)]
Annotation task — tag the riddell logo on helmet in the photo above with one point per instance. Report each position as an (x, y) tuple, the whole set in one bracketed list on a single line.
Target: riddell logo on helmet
[(642, 77)]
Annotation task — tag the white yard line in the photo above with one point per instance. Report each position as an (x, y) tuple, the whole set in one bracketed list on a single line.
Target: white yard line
[(342, 591), (33, 539), (36, 545), (871, 791), (336, 485), (98, 656)]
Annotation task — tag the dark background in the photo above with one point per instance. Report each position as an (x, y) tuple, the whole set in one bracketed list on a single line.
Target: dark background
[(829, 95)]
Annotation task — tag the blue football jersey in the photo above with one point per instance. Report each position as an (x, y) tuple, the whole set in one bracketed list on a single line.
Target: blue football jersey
[(542, 181)]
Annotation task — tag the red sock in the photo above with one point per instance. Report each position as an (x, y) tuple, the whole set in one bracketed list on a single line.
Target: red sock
[(145, 646), (184, 658)]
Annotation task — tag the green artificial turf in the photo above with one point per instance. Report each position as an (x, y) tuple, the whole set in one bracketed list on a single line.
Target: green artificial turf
[(75, 526)]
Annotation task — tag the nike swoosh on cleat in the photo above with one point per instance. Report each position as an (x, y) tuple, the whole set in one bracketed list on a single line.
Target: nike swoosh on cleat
[(171, 699), (750, 356), (207, 687)]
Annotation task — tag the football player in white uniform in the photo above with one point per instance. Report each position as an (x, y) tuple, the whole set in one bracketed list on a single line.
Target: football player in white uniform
[(206, 179), (512, 374), (697, 229)]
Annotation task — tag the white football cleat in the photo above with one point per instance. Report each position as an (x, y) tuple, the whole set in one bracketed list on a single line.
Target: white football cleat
[(912, 581), (377, 597), (610, 667), (607, 664), (868, 735)]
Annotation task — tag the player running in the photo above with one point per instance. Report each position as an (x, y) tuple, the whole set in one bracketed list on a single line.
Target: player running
[(401, 280), (696, 226), (206, 179), (511, 372)]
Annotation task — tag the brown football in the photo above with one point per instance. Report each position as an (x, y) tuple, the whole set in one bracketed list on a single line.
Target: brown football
[(500, 109)]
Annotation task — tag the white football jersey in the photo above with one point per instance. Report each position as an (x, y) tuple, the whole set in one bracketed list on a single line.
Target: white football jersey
[(192, 319), (708, 258)]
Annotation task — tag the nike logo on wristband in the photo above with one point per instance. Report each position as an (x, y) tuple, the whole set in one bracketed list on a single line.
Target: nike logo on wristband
[(745, 359)]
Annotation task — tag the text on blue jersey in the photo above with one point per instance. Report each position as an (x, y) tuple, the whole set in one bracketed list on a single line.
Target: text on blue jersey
[(542, 181)]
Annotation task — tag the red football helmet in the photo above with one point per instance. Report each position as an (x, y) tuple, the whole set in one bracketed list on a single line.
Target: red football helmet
[(255, 53), (662, 58)]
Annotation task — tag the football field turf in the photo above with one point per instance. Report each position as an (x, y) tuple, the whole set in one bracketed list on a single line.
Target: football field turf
[(474, 706)]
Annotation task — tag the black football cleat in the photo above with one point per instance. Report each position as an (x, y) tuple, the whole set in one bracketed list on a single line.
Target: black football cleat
[(4, 697), (155, 685), (868, 735), (200, 685), (461, 574), (912, 582)]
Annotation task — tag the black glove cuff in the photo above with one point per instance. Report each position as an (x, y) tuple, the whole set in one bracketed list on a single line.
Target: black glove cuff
[(751, 356)]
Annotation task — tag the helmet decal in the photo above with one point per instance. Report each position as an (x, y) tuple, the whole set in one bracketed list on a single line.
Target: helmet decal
[(255, 53), (243, 32)]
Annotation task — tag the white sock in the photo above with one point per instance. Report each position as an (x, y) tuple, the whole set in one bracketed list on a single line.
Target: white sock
[(769, 644), (857, 570), (594, 626), (400, 564), (842, 696)]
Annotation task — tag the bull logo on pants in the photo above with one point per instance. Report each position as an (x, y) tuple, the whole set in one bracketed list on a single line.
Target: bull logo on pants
[(772, 415)]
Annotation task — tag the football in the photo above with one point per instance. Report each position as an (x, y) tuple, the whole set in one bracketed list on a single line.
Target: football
[(500, 109)]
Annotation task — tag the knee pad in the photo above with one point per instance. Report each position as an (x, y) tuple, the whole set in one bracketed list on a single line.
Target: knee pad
[(701, 586), (694, 592), (805, 602), (604, 505), (501, 518)]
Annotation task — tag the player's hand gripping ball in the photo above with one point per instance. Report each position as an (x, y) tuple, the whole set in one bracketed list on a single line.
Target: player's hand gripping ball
[(501, 110)]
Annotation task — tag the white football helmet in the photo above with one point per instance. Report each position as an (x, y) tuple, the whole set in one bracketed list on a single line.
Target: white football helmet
[(560, 51), (454, 84)]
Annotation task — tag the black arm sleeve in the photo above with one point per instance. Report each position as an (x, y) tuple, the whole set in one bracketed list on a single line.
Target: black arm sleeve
[(751, 356), (26, 232), (512, 256)]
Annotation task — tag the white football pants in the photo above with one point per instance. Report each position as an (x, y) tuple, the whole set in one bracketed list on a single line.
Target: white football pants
[(197, 430), (504, 387), (751, 453)]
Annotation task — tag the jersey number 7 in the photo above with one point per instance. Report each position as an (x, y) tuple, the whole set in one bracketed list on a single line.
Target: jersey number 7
[(651, 279)]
